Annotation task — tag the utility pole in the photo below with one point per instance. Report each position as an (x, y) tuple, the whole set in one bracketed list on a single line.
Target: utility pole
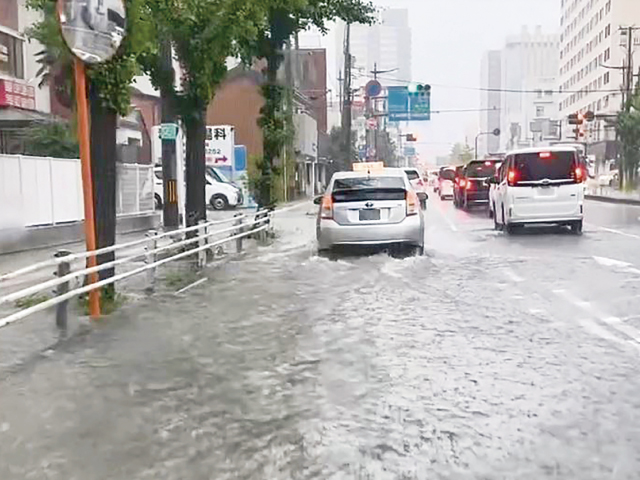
[(628, 88), (289, 80), (170, 215), (346, 109)]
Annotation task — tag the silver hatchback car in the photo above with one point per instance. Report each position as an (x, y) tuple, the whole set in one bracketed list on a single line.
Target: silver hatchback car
[(370, 209)]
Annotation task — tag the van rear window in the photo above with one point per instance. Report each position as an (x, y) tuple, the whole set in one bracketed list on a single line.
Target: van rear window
[(448, 174), (532, 167)]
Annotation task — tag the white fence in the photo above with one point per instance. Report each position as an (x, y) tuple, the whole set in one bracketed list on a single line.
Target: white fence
[(47, 191)]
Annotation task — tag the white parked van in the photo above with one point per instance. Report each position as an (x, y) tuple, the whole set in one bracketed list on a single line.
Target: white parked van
[(219, 193), (540, 186)]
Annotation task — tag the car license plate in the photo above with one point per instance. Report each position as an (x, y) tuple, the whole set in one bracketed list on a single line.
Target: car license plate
[(547, 191), (370, 214)]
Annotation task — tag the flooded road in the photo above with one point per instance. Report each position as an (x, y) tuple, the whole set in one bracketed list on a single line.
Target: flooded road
[(491, 357)]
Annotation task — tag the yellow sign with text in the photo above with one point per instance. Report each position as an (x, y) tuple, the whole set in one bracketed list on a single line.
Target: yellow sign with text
[(369, 167)]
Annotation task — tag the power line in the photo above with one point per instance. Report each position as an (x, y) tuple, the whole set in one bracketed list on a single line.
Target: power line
[(494, 90)]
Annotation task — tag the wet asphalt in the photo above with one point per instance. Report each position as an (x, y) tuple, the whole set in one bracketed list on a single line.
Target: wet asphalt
[(490, 357)]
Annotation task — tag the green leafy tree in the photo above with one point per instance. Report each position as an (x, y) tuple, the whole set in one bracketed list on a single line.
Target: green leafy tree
[(284, 18), (109, 96), (203, 33), (52, 139), (461, 153), (628, 128)]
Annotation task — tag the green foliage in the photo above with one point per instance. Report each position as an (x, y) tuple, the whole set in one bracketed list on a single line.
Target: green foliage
[(31, 300), (285, 18), (628, 128), (461, 153), (54, 139), (110, 301), (204, 34)]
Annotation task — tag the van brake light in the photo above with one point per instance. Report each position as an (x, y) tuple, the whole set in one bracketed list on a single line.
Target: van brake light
[(579, 174), (511, 178)]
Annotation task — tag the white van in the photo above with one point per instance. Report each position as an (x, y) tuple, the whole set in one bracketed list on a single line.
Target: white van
[(540, 186), (219, 193)]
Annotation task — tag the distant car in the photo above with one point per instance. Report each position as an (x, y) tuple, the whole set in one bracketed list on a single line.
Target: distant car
[(459, 173), (376, 209), (473, 184), (418, 185), (540, 186), (446, 177)]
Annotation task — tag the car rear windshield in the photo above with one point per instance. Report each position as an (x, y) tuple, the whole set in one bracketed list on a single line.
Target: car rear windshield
[(481, 169), (532, 167), (368, 188), (412, 174), (447, 174)]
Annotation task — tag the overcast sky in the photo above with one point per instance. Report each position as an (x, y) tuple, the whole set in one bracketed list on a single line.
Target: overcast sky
[(449, 39)]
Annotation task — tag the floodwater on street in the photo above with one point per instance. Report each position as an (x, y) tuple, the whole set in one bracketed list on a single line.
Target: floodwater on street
[(490, 357)]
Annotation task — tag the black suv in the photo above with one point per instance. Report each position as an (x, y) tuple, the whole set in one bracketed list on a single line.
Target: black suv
[(473, 185)]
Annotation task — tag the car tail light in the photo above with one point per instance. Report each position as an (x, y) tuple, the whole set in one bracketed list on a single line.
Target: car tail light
[(326, 208), (461, 182), (544, 154), (413, 204), (469, 185), (579, 174), (512, 177)]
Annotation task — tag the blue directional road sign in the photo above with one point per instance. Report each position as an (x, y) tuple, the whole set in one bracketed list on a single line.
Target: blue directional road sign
[(398, 104), (420, 106), (404, 105)]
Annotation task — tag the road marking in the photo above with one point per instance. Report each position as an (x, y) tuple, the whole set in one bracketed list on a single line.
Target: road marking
[(614, 322), (513, 276), (447, 219), (610, 262), (611, 230), (623, 266), (190, 286)]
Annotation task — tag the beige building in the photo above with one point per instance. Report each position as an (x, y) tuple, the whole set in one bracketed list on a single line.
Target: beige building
[(591, 40)]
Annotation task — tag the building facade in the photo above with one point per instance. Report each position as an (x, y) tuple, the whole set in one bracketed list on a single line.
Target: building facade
[(383, 46), (490, 102), (591, 42), (529, 70), (22, 100)]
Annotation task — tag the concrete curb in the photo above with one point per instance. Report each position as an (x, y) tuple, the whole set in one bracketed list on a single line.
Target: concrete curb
[(617, 200)]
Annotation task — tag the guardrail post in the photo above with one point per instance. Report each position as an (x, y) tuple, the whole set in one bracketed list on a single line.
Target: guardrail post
[(64, 268), (202, 241), (150, 259), (238, 231)]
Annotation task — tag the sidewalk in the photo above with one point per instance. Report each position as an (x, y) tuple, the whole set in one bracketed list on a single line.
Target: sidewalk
[(611, 195)]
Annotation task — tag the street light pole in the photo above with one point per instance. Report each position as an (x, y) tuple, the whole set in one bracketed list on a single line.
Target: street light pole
[(495, 132)]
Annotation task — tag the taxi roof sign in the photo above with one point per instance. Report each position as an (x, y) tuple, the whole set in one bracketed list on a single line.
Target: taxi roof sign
[(369, 167)]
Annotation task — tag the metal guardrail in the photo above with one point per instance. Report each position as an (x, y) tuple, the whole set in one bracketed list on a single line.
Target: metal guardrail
[(197, 245)]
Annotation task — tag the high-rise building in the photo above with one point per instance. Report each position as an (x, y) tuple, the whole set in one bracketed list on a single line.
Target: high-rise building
[(490, 101), (529, 72), (592, 41), (383, 46)]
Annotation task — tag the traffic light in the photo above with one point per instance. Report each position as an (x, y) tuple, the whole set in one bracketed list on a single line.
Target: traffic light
[(576, 119), (410, 137), (419, 90)]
